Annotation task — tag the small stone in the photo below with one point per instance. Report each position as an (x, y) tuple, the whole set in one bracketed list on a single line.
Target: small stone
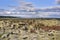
[(51, 34), (25, 37)]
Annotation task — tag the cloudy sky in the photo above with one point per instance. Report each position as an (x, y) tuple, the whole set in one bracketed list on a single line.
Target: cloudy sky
[(44, 4)]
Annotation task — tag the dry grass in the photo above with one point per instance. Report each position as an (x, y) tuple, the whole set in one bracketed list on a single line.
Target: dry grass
[(38, 29)]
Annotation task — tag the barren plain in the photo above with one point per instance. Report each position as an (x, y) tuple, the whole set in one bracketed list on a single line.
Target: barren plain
[(29, 29)]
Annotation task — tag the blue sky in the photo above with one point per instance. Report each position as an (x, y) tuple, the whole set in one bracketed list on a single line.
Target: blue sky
[(36, 3), (6, 3), (43, 3)]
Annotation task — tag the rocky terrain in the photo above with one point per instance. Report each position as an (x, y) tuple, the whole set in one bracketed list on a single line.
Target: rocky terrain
[(29, 29)]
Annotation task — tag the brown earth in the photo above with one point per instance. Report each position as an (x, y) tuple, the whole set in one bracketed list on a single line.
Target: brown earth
[(46, 28)]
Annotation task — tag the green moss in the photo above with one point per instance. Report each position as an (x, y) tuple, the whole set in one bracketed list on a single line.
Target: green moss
[(1, 35)]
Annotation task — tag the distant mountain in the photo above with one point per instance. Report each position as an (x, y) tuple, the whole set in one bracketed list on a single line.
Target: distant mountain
[(7, 17)]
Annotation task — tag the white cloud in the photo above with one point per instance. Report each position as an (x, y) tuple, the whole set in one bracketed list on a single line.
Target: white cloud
[(58, 1), (34, 14), (7, 12)]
